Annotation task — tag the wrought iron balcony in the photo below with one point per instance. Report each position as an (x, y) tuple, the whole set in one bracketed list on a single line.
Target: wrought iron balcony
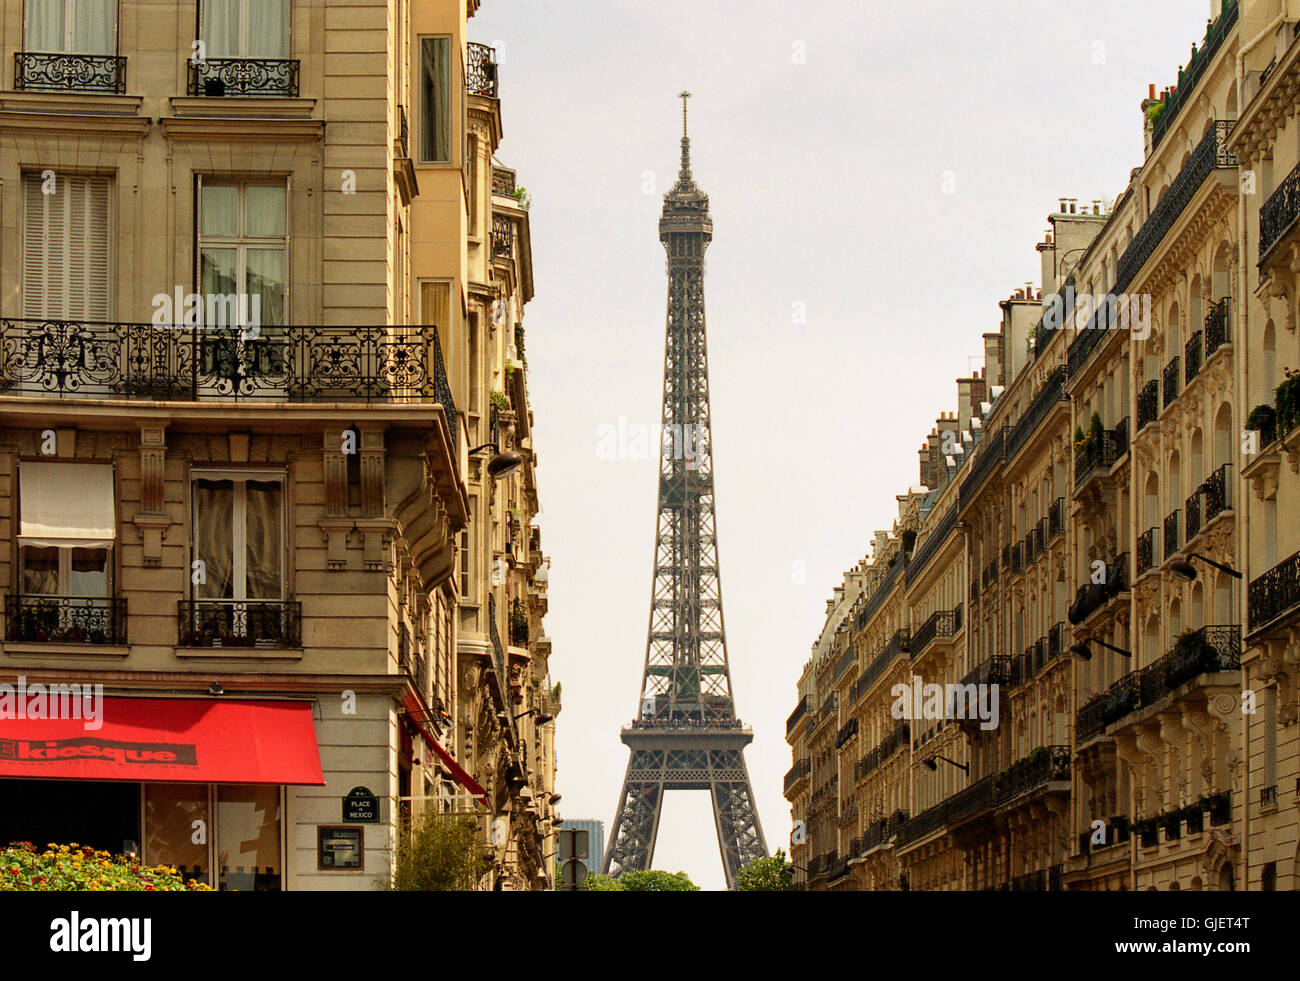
[(42, 619), (1218, 493), (240, 623), (843, 663), (1148, 403), (898, 737), (1192, 509), (1056, 518), (1278, 214), (797, 772), (1091, 596), (1172, 542), (1121, 437), (503, 237), (243, 77), (65, 359), (799, 712), (1192, 358), (1051, 394), (403, 132), (42, 71), (1218, 326), (1171, 378), (503, 182), (1096, 456), (1189, 77), (1274, 594), (847, 732), (939, 534), (481, 70), (989, 456), (1047, 764), (940, 623), (1146, 550)]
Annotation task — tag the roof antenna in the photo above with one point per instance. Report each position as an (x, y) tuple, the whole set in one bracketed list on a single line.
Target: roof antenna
[(685, 174)]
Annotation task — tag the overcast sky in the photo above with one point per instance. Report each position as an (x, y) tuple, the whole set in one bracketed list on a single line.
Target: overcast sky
[(822, 134)]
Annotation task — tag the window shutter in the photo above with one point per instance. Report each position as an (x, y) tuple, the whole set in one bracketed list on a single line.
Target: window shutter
[(65, 249)]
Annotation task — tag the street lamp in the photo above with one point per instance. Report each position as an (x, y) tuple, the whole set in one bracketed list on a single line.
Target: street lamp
[(1186, 570), (1084, 653), (542, 717), (501, 464), (932, 764)]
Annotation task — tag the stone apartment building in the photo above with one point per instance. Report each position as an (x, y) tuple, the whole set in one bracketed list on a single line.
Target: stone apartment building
[(264, 438), (1101, 531)]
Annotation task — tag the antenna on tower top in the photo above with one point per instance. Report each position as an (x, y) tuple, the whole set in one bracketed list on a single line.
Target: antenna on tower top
[(685, 176), (684, 95)]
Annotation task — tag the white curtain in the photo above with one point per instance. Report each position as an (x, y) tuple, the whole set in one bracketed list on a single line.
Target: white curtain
[(94, 26), (219, 28), (264, 210), (263, 524), (43, 30), (266, 282), (268, 29), (213, 505)]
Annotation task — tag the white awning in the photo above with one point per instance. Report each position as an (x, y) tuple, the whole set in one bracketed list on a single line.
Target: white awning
[(66, 504)]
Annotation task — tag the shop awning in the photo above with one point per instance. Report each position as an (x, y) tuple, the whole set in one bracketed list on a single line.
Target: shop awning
[(161, 740), (66, 504), (414, 715)]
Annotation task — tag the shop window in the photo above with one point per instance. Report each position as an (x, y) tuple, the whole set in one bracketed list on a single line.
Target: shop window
[(248, 839), (172, 813)]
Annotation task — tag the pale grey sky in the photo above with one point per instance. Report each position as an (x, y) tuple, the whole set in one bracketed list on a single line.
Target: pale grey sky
[(825, 182)]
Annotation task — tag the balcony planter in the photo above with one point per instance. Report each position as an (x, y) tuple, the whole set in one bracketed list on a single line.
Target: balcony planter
[(1220, 807), (1173, 825), (1190, 657), (1288, 402), (1263, 420), (1147, 830), (1195, 818)]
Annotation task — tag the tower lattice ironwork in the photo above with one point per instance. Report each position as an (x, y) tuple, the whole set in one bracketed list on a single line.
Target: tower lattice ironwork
[(686, 735)]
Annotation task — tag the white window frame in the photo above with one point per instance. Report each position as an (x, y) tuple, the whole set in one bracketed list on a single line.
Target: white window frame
[(239, 529), (69, 29), (243, 30), (241, 241), (454, 98), (110, 255)]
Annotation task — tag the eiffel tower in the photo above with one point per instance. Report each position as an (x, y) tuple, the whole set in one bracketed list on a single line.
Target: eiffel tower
[(686, 736)]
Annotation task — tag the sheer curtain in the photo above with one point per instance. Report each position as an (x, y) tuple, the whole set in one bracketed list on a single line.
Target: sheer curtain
[(263, 573), (268, 29), (214, 512), (437, 96), (43, 28), (94, 25), (219, 28)]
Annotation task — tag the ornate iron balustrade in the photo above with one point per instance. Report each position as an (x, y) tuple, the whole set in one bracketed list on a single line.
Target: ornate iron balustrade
[(1055, 639), (44, 71), (847, 732), (1210, 153), (1274, 594), (933, 542), (258, 77), (1120, 433), (1192, 357), (1105, 318), (1218, 326), (838, 869), (1192, 509), (884, 587), (940, 623), (41, 619), (989, 456), (1188, 77), (1042, 535), (898, 737), (1047, 764), (275, 624), (403, 132), (1093, 596), (1218, 493), (1146, 550), (503, 237), (872, 672), (481, 70), (897, 644), (799, 712), (995, 670), (1006, 557), (1088, 721), (1171, 539), (503, 182), (1171, 381), (843, 663), (1148, 403), (1051, 394), (1278, 214), (1098, 453), (797, 772), (1056, 518), (1017, 558)]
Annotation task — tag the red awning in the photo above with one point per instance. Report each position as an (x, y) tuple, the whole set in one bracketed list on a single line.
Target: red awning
[(414, 715), (169, 740)]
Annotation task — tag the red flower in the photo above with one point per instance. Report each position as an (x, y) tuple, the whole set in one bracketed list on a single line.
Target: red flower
[(150, 888)]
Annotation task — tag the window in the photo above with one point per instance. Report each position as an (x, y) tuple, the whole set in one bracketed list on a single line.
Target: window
[(248, 838), (243, 252), (435, 100), (65, 264), (70, 26), (238, 536), (244, 28)]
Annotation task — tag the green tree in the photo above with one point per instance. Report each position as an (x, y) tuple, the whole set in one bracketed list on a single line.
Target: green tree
[(602, 883), (766, 874), (441, 854), (653, 880)]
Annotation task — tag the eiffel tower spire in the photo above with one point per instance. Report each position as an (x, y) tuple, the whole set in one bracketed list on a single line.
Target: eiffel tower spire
[(686, 734)]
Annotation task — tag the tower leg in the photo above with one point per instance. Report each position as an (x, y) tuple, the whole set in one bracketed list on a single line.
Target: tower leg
[(636, 826), (740, 836)]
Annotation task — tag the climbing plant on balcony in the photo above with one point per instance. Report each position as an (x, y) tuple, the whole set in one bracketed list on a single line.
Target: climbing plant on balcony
[(1288, 402)]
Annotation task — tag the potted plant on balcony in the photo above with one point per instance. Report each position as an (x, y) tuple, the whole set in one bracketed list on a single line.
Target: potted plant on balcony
[(1262, 419), (1220, 807), (1189, 657), (1147, 829), (1288, 401), (1195, 818)]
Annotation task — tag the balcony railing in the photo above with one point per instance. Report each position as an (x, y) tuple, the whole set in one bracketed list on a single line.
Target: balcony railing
[(843, 663), (1274, 594), (1051, 394), (933, 542), (273, 624), (1146, 550), (1171, 378), (65, 619), (797, 772), (1192, 358), (1121, 437), (1172, 542), (989, 456), (896, 740), (258, 77), (43, 71), (1098, 454), (1218, 493), (847, 732), (1093, 596), (1188, 77), (799, 712), (1056, 518), (1192, 509), (403, 132), (481, 70), (1278, 214), (1148, 403), (1218, 326), (883, 587), (503, 237), (1047, 764), (940, 623)]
